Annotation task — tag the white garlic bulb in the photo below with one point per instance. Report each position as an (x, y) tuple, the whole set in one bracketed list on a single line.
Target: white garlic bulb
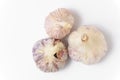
[(50, 54), (87, 44), (59, 23)]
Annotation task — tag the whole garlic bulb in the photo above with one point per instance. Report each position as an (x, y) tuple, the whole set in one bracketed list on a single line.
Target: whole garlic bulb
[(49, 54), (87, 44), (59, 23)]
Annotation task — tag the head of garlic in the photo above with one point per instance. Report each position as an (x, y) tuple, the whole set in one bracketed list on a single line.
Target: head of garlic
[(87, 44), (59, 23), (49, 54)]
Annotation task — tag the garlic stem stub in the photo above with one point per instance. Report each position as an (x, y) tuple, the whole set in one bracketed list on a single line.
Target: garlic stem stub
[(58, 23), (87, 44), (50, 54)]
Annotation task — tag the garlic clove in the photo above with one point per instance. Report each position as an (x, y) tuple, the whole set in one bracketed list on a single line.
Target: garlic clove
[(59, 23), (50, 54), (87, 44)]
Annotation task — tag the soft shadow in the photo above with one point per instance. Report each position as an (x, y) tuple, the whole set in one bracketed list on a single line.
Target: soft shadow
[(68, 63), (78, 19)]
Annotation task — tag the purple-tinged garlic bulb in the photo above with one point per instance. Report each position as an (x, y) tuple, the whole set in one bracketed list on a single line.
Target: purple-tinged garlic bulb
[(50, 54), (59, 23), (87, 44)]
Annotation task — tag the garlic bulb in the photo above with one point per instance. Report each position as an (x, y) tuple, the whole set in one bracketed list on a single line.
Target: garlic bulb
[(87, 44), (49, 54), (59, 23)]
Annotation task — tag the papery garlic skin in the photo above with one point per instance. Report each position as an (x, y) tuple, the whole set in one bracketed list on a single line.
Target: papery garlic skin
[(87, 44), (50, 54), (59, 23)]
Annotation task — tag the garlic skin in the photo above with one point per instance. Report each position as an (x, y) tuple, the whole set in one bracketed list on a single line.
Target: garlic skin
[(87, 44), (49, 54), (59, 23)]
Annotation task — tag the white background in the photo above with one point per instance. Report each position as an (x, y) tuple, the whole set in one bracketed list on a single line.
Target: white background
[(22, 23)]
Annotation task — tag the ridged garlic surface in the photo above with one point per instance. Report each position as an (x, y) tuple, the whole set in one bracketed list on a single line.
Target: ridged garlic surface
[(59, 23), (49, 54), (87, 44)]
